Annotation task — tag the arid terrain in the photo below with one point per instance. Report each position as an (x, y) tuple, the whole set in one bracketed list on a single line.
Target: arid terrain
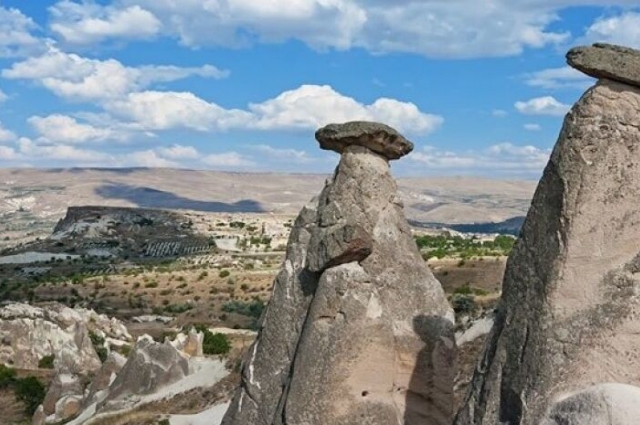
[(123, 243), (33, 200)]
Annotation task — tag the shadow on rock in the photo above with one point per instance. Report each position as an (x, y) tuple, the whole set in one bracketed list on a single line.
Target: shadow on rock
[(429, 399)]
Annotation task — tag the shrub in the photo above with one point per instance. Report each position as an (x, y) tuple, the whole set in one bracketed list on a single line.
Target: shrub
[(46, 362), (464, 304), (224, 273), (30, 392), (7, 376), (152, 284), (215, 343)]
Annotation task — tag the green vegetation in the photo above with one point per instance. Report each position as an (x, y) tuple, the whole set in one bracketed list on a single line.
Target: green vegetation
[(224, 273), (469, 290), (7, 376), (213, 344), (251, 309), (98, 345), (30, 392), (46, 362), (464, 304), (456, 246)]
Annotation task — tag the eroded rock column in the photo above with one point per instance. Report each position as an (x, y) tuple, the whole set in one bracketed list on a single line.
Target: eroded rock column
[(569, 319), (358, 330)]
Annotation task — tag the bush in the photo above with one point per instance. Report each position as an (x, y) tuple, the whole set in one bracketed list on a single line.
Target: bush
[(7, 376), (251, 309), (464, 304), (46, 362), (30, 392), (213, 344), (224, 273)]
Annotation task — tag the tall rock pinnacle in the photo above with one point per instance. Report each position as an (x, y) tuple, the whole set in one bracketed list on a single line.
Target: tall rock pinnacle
[(565, 346), (358, 331)]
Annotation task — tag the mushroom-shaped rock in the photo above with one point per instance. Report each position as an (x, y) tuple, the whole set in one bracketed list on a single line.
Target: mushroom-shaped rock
[(379, 138), (602, 60)]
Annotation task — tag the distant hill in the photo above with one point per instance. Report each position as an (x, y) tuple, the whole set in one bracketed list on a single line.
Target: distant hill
[(45, 194)]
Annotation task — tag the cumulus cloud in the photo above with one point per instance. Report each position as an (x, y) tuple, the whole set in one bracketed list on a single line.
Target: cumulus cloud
[(87, 23), (621, 29), (61, 152), (16, 34), (66, 129), (312, 106), (558, 78), (227, 160), (440, 29), (179, 152), (8, 153), (286, 155), (74, 77), (503, 157), (6, 135), (546, 105)]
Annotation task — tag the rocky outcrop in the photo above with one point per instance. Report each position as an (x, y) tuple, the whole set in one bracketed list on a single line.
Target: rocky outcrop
[(189, 343), (150, 365), (357, 330), (27, 334), (609, 61), (570, 311)]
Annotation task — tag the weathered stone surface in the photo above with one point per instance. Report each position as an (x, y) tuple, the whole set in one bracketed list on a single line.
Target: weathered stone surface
[(189, 343), (570, 311), (63, 385), (358, 330), (149, 366), (609, 61), (339, 244), (39, 417), (68, 407), (377, 137), (605, 404), (30, 333)]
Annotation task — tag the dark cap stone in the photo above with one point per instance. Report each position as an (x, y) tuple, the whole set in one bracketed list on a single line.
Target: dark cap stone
[(377, 137), (609, 61)]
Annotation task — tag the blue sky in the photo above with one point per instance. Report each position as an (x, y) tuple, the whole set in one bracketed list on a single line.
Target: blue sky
[(480, 87)]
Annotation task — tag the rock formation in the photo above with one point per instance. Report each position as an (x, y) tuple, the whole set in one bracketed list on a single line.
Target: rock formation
[(150, 365), (570, 312), (27, 334), (358, 331)]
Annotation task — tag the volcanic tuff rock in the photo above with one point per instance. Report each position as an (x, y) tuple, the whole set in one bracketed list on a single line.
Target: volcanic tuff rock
[(357, 330), (602, 60), (377, 137), (569, 317), (28, 334)]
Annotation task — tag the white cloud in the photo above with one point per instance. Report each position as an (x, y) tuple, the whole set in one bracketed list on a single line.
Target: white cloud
[(6, 135), (78, 78), (286, 155), (178, 152), (622, 29), (532, 127), (65, 129), (312, 106), (16, 38), (3, 96), (154, 110), (87, 23), (227, 160), (461, 28), (546, 105), (499, 113), (61, 152), (7, 153), (499, 158), (148, 158), (556, 78)]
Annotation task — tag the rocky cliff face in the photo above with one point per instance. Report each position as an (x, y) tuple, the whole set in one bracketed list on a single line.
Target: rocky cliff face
[(570, 314), (358, 330)]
